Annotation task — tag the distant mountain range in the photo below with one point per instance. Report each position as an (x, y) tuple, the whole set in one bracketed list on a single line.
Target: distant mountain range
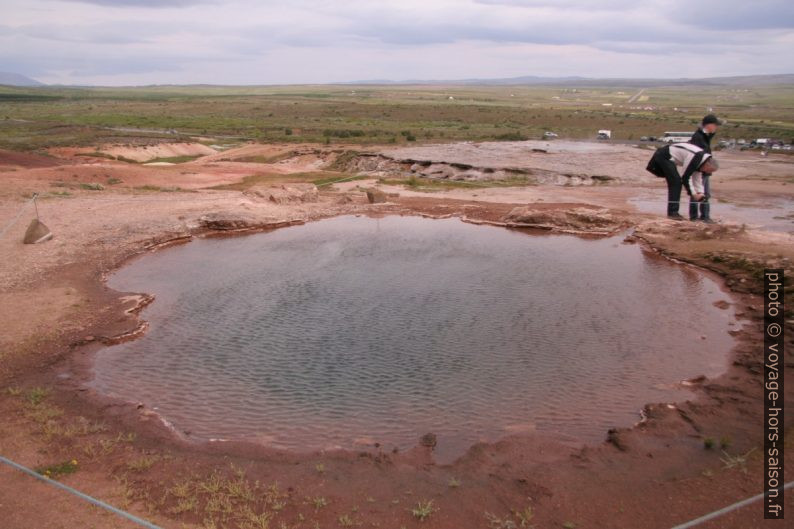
[(15, 79), (745, 80)]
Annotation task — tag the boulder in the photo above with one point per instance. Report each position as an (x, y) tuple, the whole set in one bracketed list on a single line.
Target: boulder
[(286, 194), (376, 196), (226, 221), (429, 440), (577, 218)]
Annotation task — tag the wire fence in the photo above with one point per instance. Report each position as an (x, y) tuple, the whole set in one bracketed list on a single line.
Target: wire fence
[(90, 499), (17, 216)]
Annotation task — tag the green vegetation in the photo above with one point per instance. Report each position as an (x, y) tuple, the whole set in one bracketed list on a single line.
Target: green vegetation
[(418, 183), (423, 510), (58, 469), (318, 178), (738, 461), (40, 117), (319, 502), (142, 463), (346, 521), (37, 395), (518, 519), (174, 159)]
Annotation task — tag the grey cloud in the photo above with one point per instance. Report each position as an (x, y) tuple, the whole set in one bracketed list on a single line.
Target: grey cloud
[(721, 15), (708, 14), (247, 32), (141, 3), (83, 33)]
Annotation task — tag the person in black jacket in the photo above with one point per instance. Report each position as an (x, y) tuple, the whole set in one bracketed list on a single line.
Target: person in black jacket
[(702, 138), (693, 161)]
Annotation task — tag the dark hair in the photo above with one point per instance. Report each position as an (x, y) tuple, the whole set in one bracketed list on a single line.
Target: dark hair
[(711, 118)]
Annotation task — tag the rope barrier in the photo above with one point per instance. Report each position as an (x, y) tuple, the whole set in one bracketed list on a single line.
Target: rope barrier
[(725, 510), (86, 497), (16, 218)]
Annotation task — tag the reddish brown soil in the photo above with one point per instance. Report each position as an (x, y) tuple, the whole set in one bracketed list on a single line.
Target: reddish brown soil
[(57, 313)]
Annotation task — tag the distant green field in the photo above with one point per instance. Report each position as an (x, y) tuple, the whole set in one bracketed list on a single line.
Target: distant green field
[(35, 118)]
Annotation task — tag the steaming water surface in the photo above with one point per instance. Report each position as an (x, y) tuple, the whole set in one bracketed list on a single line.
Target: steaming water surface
[(351, 331)]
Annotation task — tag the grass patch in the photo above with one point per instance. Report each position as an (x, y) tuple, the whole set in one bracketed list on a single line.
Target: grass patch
[(328, 180), (346, 521), (58, 469), (319, 502), (142, 464), (736, 461), (161, 189), (36, 117), (265, 159), (517, 519), (317, 178), (97, 154), (423, 510), (420, 183), (37, 395), (174, 159)]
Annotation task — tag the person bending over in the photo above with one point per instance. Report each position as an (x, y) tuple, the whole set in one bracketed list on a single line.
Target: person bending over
[(693, 161)]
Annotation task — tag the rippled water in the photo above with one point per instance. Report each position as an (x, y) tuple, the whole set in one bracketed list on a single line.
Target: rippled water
[(351, 331)]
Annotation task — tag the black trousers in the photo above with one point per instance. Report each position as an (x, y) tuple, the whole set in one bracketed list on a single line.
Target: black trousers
[(674, 184)]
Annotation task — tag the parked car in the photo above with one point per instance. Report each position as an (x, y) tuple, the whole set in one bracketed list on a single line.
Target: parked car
[(644, 138), (604, 134), (549, 135)]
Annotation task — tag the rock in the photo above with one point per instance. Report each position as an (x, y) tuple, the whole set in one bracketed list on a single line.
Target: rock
[(429, 440), (226, 221), (578, 219), (37, 232), (614, 436), (376, 196), (285, 194), (694, 380)]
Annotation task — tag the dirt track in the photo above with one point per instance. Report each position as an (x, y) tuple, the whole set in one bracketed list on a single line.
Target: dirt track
[(56, 310)]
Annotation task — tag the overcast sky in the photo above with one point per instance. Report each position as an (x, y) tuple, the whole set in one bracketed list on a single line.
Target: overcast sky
[(133, 42)]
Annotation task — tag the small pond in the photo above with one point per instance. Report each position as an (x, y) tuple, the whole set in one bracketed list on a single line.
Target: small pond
[(352, 331)]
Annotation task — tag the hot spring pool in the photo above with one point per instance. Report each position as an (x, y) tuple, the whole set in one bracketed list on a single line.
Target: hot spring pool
[(351, 331)]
